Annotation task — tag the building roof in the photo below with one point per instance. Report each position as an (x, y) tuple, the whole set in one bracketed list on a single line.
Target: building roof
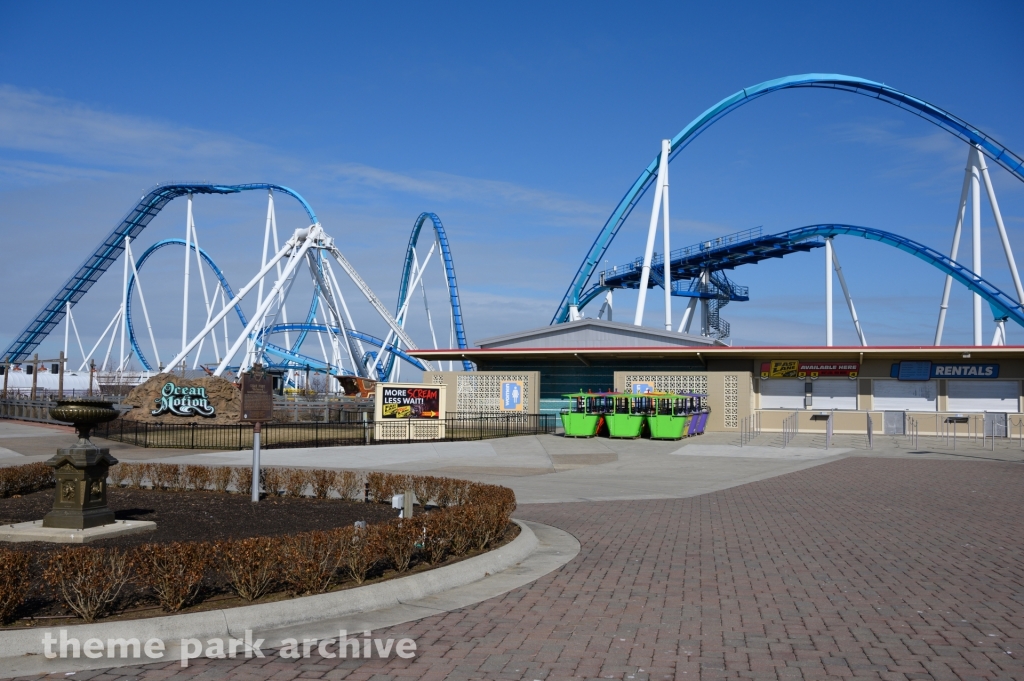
[(852, 352), (595, 333)]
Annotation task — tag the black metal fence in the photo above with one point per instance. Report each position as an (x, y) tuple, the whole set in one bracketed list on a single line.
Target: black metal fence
[(316, 434)]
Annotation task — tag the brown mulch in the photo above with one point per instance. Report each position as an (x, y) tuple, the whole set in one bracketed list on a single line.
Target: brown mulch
[(201, 516)]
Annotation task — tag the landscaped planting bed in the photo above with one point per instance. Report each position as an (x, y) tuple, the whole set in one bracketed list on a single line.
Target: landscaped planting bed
[(213, 548)]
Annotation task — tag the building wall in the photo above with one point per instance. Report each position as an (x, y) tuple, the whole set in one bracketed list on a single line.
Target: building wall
[(560, 377), (873, 372), (729, 393), (479, 392)]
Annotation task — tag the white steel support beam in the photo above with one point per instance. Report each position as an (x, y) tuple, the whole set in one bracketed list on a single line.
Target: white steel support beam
[(828, 292), (976, 242), (142, 298), (955, 248), (188, 259), (355, 345), (997, 214), (684, 323), (375, 302), (85, 362), (266, 242), (666, 147), (849, 299), (124, 303), (241, 295), (645, 272), (258, 318)]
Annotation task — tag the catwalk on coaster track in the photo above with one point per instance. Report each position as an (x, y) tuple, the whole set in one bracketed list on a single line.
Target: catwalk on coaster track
[(578, 295), (326, 294)]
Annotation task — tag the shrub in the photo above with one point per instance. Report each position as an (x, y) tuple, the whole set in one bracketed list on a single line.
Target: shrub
[(197, 477), (311, 560), (149, 472), (399, 542), (383, 486), (323, 482), (295, 481), (360, 550), (437, 537), (25, 479), (174, 571), (243, 480), (15, 578), (461, 522), (250, 565), (116, 474), (426, 487), (222, 477), (88, 580), (134, 473), (445, 494), (347, 483), (272, 480)]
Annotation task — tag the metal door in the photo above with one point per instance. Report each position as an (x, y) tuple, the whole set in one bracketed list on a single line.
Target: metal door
[(894, 422), (995, 424)]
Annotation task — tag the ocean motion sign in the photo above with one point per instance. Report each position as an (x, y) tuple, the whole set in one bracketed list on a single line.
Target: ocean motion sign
[(183, 401), (405, 402)]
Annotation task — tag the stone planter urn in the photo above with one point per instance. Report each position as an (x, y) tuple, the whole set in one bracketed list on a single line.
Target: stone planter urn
[(80, 501)]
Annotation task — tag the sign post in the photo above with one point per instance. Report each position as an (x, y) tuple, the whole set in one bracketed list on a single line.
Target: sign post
[(257, 407)]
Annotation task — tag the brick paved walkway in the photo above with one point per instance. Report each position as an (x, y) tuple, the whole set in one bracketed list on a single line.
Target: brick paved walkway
[(877, 568)]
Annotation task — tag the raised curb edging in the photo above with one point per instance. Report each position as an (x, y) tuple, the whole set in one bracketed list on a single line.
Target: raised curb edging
[(232, 622)]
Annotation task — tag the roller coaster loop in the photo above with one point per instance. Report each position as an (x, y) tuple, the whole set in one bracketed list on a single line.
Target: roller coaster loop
[(945, 120), (111, 248)]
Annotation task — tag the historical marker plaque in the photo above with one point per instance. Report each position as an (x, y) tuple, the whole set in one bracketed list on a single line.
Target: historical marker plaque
[(257, 395)]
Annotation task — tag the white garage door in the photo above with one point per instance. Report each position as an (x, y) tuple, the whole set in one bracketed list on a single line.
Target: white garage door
[(782, 393), (834, 393), (904, 395), (1000, 396)]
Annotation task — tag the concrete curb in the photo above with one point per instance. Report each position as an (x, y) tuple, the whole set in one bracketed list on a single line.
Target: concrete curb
[(26, 645)]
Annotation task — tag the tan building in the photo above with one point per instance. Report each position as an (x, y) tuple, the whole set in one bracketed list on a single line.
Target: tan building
[(898, 387)]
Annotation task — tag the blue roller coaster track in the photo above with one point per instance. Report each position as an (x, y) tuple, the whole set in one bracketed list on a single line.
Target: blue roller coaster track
[(111, 248), (751, 247), (945, 120), (449, 273)]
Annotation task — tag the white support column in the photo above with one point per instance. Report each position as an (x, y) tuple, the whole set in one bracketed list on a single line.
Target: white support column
[(258, 317), (124, 305), (997, 214), (78, 338), (684, 323), (645, 272), (849, 299), (67, 327), (705, 327), (954, 249), (976, 242), (188, 259), (142, 299), (266, 242), (666, 148), (828, 292), (234, 301), (999, 337)]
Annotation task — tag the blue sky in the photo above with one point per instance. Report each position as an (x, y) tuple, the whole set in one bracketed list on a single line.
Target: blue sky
[(521, 125)]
